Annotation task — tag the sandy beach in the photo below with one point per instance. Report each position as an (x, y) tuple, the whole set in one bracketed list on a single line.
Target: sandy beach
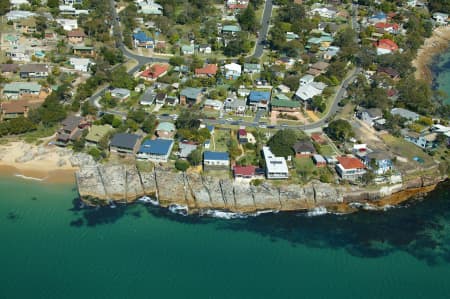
[(45, 162), (432, 46)]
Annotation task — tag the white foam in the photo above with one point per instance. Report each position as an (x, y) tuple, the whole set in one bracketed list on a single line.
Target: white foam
[(29, 177)]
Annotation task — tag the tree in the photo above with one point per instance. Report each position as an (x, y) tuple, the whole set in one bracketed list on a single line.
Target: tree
[(188, 119), (247, 19), (149, 124), (339, 130), (281, 143), (195, 157), (52, 3), (181, 165), (4, 6)]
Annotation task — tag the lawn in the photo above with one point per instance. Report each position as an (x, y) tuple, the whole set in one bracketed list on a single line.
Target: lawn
[(221, 138), (306, 171), (326, 150), (403, 148)]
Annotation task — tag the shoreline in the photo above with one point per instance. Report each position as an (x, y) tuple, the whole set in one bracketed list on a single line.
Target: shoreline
[(56, 176), (436, 44)]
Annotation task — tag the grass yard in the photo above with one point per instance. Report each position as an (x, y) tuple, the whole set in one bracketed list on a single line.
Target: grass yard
[(221, 138), (326, 150), (306, 171)]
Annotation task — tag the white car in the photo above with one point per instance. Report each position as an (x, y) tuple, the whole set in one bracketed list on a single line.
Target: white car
[(229, 119)]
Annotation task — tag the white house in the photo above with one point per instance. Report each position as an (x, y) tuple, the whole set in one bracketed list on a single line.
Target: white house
[(441, 18), (19, 14), (306, 79), (120, 93), (17, 3), (324, 12), (232, 70), (308, 91), (350, 168), (70, 10), (276, 167), (68, 24), (216, 160), (157, 150), (81, 64)]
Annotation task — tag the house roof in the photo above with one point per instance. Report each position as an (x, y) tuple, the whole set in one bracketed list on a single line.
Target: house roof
[(19, 106), (213, 103), (156, 147), (350, 162), (71, 122), (97, 132), (142, 37), (76, 33), (186, 148), (389, 71), (405, 113), (18, 86), (155, 71), (231, 28), (386, 44), (321, 65), (221, 156), (242, 132), (252, 66), (166, 126), (125, 140), (209, 69), (190, 92), (33, 68), (303, 146), (384, 25), (258, 96), (244, 170), (9, 67)]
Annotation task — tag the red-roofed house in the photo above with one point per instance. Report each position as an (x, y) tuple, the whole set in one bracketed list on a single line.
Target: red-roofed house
[(155, 71), (392, 28), (76, 36), (385, 46), (350, 168), (208, 70), (242, 136), (245, 172)]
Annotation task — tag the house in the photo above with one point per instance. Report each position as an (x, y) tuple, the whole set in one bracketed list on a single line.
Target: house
[(71, 11), (276, 167), (377, 18), (383, 27), (231, 29), (165, 130), (141, 39), (284, 104), (68, 24), (9, 69), (34, 70), (185, 148), (120, 93), (209, 70), (155, 71), (242, 136), (72, 2), (424, 141), (15, 109), (350, 168), (252, 68), (388, 71), (318, 68), (97, 133), (283, 88), (235, 105), (17, 3), (324, 12), (81, 64), (207, 144), (27, 25), (369, 116), (306, 79), (190, 96), (440, 18), (232, 71), (172, 101), (215, 160), (322, 43), (331, 52), (83, 51), (18, 14), (213, 104), (304, 148), (379, 161), (249, 172), (149, 7), (409, 115), (205, 49), (147, 98), (259, 100), (160, 98), (290, 36), (71, 130), (319, 160), (385, 46), (308, 91), (124, 143), (15, 90), (187, 49), (157, 150), (76, 36)]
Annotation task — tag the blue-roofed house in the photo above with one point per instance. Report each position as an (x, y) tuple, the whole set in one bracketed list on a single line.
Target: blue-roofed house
[(157, 150), (142, 40), (259, 100), (216, 160)]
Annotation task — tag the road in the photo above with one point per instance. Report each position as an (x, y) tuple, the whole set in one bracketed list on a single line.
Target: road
[(265, 22)]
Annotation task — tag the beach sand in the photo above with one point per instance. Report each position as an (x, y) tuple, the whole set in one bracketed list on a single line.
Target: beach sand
[(45, 162), (432, 46)]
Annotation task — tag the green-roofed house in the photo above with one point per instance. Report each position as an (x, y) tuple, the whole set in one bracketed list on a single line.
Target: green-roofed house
[(187, 49), (190, 96), (97, 133), (282, 103), (252, 68), (231, 29), (83, 51), (165, 130), (324, 42), (15, 90)]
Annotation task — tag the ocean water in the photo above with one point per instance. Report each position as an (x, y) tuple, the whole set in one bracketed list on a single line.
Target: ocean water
[(441, 74), (51, 249)]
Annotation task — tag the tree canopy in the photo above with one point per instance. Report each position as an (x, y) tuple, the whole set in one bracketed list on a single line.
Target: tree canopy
[(282, 141), (340, 130)]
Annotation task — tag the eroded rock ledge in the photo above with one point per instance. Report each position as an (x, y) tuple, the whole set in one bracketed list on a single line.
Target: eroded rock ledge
[(99, 184)]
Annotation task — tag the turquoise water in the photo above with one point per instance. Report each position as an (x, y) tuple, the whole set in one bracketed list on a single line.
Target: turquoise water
[(441, 74), (51, 249)]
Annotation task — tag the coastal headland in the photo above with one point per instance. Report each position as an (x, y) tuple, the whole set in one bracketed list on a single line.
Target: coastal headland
[(102, 184), (436, 44)]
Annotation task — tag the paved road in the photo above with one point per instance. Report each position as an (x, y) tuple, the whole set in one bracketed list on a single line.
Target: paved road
[(265, 21)]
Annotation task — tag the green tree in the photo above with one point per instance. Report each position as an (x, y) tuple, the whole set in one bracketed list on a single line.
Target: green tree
[(247, 19), (195, 157), (282, 141), (4, 6), (181, 165), (340, 130)]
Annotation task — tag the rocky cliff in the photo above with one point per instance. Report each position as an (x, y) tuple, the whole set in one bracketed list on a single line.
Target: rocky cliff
[(99, 184)]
